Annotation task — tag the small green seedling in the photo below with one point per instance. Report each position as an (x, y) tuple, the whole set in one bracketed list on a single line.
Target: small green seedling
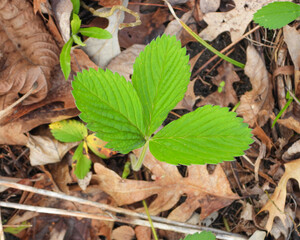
[(204, 235), (277, 14), (221, 86), (126, 114), (94, 32), (75, 131)]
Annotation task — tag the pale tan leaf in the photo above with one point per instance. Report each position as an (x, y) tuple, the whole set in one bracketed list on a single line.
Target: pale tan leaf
[(292, 39), (28, 53), (207, 6), (208, 191), (256, 105), (44, 150), (290, 122), (234, 21), (102, 51), (276, 205), (228, 95), (189, 99), (142, 233), (123, 63)]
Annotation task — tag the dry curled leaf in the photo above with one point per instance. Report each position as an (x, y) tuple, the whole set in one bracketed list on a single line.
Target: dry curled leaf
[(256, 105), (208, 191), (276, 204), (228, 95), (28, 53), (235, 21)]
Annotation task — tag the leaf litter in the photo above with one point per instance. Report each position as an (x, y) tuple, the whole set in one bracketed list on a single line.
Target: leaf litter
[(173, 192)]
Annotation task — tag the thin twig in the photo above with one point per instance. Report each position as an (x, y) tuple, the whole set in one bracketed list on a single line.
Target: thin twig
[(7, 110), (219, 234)]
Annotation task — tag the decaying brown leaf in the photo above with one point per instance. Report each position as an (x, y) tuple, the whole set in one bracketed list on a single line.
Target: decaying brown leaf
[(276, 205), (44, 150), (256, 105), (208, 191), (234, 21), (228, 95), (28, 53)]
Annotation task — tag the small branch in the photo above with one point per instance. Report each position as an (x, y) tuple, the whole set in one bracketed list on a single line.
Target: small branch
[(158, 222), (7, 110)]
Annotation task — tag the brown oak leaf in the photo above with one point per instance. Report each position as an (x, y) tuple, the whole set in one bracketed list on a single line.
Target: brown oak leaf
[(276, 204), (211, 192)]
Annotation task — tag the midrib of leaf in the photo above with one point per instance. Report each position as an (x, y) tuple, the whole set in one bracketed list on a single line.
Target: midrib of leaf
[(160, 82), (116, 110)]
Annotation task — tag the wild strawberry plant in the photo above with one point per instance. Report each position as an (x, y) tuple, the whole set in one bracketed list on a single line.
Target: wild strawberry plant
[(126, 114)]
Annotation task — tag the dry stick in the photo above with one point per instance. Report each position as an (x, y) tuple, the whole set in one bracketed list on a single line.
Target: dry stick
[(159, 222), (225, 49), (220, 235), (10, 107)]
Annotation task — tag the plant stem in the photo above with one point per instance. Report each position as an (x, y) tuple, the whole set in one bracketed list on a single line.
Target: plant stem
[(204, 43), (150, 220), (136, 165)]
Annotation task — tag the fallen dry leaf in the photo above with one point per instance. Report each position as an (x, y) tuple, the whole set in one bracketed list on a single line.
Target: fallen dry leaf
[(123, 233), (37, 5), (28, 53), (207, 6), (62, 10), (256, 105), (189, 99), (123, 63), (234, 21), (291, 151), (291, 122), (102, 51), (292, 39), (208, 191), (276, 204), (228, 95), (44, 150), (142, 233)]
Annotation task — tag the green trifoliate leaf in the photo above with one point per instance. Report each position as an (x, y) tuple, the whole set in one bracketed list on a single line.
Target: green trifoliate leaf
[(65, 58), (210, 134), (95, 32), (111, 107), (68, 130), (205, 235), (77, 40), (75, 23), (76, 6), (277, 14), (160, 76), (81, 161)]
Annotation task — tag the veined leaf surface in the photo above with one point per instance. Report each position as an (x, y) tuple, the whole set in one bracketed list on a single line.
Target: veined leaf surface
[(68, 130), (204, 235), (160, 76), (111, 107), (277, 14), (210, 134)]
